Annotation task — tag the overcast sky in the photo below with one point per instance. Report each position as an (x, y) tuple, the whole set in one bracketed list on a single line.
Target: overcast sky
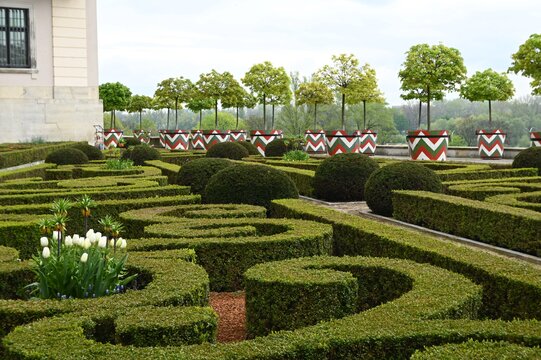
[(142, 42)]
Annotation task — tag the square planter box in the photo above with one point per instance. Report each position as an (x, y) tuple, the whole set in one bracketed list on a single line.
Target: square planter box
[(111, 137), (428, 145), (315, 142), (535, 137), (198, 141), (212, 137), (490, 143), (161, 133), (367, 141), (238, 135), (340, 142), (142, 136), (177, 139), (261, 138)]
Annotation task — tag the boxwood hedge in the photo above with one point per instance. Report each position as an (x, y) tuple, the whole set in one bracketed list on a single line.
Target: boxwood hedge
[(530, 200), (472, 350)]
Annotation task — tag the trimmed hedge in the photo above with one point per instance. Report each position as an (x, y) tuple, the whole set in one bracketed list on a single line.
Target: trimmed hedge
[(197, 173), (227, 150), (166, 326), (92, 152), (181, 157), (480, 191), (303, 179), (458, 174), (167, 169), (252, 150), (67, 156), (249, 184), (141, 153), (227, 247), (475, 350), (290, 294), (30, 154), (27, 172), (277, 147), (511, 288), (530, 201), (342, 177), (528, 158), (472, 219)]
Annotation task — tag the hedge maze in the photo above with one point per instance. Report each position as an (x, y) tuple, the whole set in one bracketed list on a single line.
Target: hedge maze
[(319, 284)]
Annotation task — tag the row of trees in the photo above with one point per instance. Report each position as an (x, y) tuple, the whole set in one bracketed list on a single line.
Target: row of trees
[(426, 75)]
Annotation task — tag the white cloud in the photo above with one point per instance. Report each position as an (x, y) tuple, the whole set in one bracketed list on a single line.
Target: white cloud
[(143, 42)]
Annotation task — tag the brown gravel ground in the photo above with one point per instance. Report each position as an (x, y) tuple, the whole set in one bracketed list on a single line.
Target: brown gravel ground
[(230, 307)]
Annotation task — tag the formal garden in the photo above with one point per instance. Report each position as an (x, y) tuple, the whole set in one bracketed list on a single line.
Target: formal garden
[(218, 242)]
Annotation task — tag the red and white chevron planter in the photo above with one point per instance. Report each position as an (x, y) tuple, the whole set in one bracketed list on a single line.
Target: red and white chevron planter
[(314, 142), (162, 137), (428, 145), (142, 136), (111, 137), (490, 143), (261, 138), (177, 139), (212, 137), (367, 141), (340, 142), (535, 137), (198, 141), (238, 135)]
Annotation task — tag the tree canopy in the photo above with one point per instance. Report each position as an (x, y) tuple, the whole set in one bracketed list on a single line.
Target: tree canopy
[(138, 103), (340, 76), (527, 61), (313, 93), (431, 70), (365, 90), (115, 96), (488, 85), (217, 87), (198, 102), (176, 90)]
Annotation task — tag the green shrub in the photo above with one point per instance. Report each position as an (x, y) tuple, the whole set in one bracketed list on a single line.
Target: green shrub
[(18, 154), (27, 172), (252, 150), (131, 142), (67, 156), (92, 152), (342, 177), (509, 227), (276, 147), (296, 155), (118, 164), (197, 173), (141, 153), (303, 179), (167, 169), (529, 200), (227, 150), (398, 176), (528, 158), (249, 184), (472, 350)]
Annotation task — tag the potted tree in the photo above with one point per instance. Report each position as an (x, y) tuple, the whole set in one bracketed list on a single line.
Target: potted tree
[(115, 96), (431, 70), (340, 77), (138, 103), (197, 103), (176, 91), (238, 98), (491, 86), (269, 84), (314, 93), (527, 61), (159, 103), (366, 90)]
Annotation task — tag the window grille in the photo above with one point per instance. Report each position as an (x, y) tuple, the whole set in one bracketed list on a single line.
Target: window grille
[(14, 46)]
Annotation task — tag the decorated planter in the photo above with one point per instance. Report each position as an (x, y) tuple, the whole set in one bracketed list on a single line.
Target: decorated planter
[(162, 137), (142, 136), (111, 137), (177, 139), (339, 142), (367, 141), (490, 143), (238, 135), (261, 138), (535, 137), (212, 137), (314, 142), (198, 141), (428, 144)]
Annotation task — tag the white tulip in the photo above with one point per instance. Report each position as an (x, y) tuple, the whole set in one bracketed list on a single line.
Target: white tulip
[(76, 238), (68, 241), (98, 235), (56, 235), (84, 257), (89, 233), (44, 241), (102, 242), (112, 243), (123, 243), (46, 252), (87, 244)]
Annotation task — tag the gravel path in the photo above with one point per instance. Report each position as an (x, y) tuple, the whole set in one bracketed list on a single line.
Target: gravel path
[(230, 307)]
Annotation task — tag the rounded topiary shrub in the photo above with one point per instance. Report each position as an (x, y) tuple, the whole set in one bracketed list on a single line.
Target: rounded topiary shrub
[(342, 177), (141, 153), (131, 141), (249, 184), (252, 150), (92, 152), (197, 173), (528, 158), (67, 156), (228, 150), (277, 147), (398, 176)]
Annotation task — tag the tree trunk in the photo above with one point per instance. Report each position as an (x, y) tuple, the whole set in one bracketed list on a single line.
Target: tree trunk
[(428, 108), (364, 114), (140, 119), (264, 112), (200, 118), (237, 125), (216, 114), (168, 112), (112, 119), (315, 116), (420, 112), (176, 114), (489, 113), (343, 111), (272, 118)]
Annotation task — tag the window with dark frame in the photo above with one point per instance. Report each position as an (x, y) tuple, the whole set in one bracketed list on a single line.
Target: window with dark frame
[(14, 45)]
